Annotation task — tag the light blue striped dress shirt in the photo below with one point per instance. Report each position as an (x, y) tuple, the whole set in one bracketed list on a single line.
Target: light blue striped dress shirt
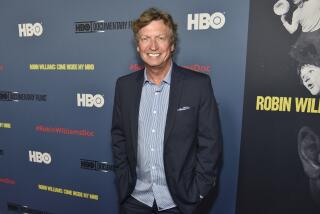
[(151, 179)]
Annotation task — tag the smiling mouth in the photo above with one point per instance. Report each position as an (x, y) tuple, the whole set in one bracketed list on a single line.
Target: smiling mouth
[(153, 54)]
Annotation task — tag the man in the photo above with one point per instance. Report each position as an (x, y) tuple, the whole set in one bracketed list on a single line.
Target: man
[(310, 77), (165, 127), (305, 13)]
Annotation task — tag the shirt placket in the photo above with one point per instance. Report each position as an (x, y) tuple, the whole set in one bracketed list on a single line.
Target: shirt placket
[(154, 133)]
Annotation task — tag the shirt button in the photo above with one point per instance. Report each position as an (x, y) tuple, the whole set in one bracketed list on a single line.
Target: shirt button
[(153, 167), (152, 149), (156, 93), (154, 112), (153, 131)]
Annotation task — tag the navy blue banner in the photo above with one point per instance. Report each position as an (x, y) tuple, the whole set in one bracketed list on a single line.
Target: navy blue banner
[(59, 62)]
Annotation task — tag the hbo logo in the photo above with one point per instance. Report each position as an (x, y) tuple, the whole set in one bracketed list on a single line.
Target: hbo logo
[(202, 21), (39, 157), (28, 29), (88, 100)]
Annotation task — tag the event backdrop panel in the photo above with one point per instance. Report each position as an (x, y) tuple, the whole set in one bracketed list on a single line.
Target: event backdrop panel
[(59, 62)]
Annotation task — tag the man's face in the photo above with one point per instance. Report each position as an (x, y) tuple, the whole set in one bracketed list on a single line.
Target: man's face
[(310, 76), (154, 45)]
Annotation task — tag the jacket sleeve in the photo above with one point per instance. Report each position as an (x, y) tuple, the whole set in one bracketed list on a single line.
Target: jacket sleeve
[(209, 140), (118, 135)]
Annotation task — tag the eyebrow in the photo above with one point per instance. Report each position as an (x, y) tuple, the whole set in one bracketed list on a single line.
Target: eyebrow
[(162, 34)]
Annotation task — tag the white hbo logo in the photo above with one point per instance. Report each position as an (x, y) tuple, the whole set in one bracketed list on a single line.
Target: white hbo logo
[(88, 100), (202, 21), (28, 29), (39, 157)]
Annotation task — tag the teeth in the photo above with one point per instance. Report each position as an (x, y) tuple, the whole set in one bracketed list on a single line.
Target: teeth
[(155, 54)]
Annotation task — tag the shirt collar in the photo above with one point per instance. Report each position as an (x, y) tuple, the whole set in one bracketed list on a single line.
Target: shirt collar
[(167, 78)]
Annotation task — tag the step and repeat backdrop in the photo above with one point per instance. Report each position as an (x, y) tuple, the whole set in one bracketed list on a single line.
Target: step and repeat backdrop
[(59, 61), (280, 149)]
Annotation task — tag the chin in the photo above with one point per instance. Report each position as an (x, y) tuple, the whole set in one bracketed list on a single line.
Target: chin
[(154, 65), (315, 92)]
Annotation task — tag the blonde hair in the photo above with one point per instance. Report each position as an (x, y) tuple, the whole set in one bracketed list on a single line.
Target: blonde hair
[(154, 14)]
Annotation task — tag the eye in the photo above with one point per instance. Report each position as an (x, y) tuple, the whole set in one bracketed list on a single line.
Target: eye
[(163, 38), (144, 39)]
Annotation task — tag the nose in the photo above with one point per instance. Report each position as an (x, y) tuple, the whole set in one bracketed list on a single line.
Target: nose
[(307, 79), (304, 78), (154, 44)]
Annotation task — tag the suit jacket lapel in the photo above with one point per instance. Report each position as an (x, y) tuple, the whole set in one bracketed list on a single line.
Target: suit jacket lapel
[(135, 110), (174, 99)]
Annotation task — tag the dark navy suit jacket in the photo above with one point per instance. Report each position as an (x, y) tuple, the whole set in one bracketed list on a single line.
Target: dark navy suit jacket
[(191, 141)]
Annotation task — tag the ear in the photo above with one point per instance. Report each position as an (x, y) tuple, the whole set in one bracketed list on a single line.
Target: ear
[(172, 47), (309, 150)]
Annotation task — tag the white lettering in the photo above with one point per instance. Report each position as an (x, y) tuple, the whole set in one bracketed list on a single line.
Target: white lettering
[(203, 21), (28, 29)]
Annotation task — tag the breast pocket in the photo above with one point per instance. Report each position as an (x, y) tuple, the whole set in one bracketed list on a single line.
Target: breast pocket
[(186, 117)]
